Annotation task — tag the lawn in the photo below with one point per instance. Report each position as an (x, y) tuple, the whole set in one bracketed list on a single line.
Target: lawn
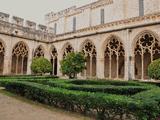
[(103, 99)]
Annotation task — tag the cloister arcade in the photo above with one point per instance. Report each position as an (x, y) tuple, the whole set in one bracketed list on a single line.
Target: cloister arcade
[(19, 58), (114, 64)]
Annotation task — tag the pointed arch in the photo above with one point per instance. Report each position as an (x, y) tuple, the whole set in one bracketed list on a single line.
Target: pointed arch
[(146, 49), (19, 58), (2, 53), (67, 48), (39, 51), (89, 50), (54, 59), (114, 55)]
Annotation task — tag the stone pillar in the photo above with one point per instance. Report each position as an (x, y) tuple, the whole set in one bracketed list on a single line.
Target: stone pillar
[(127, 68), (58, 65), (132, 67), (129, 57), (7, 64), (30, 57), (100, 67)]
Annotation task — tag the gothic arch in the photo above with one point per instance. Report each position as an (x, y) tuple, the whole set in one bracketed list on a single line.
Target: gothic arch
[(114, 58), (19, 58), (89, 50), (2, 54), (54, 59), (146, 49), (39, 51), (67, 48)]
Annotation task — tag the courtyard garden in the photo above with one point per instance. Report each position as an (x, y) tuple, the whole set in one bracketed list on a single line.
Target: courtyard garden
[(100, 99)]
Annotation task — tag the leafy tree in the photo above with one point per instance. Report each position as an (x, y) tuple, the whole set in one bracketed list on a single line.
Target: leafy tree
[(41, 65), (154, 69), (73, 64)]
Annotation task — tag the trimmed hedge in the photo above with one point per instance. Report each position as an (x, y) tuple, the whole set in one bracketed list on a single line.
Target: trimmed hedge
[(107, 87), (104, 106)]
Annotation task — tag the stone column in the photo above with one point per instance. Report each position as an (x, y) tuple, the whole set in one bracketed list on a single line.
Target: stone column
[(100, 67), (59, 57), (129, 57), (29, 62), (127, 68), (7, 64)]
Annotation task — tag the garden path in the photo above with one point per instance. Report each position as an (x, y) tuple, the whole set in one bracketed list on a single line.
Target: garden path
[(16, 108)]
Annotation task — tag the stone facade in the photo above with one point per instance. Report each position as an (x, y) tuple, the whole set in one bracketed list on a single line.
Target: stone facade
[(120, 48)]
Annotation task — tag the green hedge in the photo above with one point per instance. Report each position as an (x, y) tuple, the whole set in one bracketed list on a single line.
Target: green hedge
[(111, 88), (104, 106)]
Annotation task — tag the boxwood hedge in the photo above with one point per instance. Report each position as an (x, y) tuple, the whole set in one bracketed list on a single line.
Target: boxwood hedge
[(103, 106), (115, 87)]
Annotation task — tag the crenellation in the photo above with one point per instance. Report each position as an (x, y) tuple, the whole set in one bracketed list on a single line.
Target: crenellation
[(4, 17), (30, 24), (17, 20), (42, 28)]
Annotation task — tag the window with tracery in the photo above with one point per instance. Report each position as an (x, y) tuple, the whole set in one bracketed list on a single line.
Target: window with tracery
[(147, 49), (39, 52), (54, 55), (114, 59), (19, 58), (2, 52), (90, 53), (67, 50)]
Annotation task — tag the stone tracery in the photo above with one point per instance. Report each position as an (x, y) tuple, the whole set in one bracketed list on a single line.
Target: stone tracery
[(68, 49), (147, 49), (114, 59), (2, 52), (90, 53), (39, 52), (19, 58)]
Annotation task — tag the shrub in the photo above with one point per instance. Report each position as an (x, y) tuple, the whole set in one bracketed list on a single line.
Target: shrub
[(73, 64), (107, 86), (105, 106), (154, 69), (41, 66)]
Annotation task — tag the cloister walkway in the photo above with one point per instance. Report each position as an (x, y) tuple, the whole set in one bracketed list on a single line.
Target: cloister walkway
[(17, 108)]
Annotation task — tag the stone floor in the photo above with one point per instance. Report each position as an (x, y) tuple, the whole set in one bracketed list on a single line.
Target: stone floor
[(17, 108)]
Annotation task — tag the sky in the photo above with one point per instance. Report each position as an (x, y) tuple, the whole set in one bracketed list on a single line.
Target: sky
[(35, 10)]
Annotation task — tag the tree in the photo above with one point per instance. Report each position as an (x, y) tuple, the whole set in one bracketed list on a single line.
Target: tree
[(41, 65), (154, 69), (73, 64)]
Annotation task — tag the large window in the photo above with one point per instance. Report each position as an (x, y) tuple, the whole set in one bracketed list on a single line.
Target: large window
[(74, 24), (102, 16), (55, 28), (141, 7)]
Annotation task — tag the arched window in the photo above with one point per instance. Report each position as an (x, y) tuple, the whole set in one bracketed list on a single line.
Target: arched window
[(54, 60), (114, 59), (39, 52), (89, 51), (68, 49), (19, 59), (147, 49), (2, 52)]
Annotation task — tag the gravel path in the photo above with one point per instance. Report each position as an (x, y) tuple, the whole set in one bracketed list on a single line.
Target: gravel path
[(12, 108)]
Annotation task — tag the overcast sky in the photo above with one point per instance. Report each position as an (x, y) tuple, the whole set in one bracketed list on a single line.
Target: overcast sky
[(35, 10)]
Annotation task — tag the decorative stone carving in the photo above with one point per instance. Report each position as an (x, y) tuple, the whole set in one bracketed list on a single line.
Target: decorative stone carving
[(39, 52)]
